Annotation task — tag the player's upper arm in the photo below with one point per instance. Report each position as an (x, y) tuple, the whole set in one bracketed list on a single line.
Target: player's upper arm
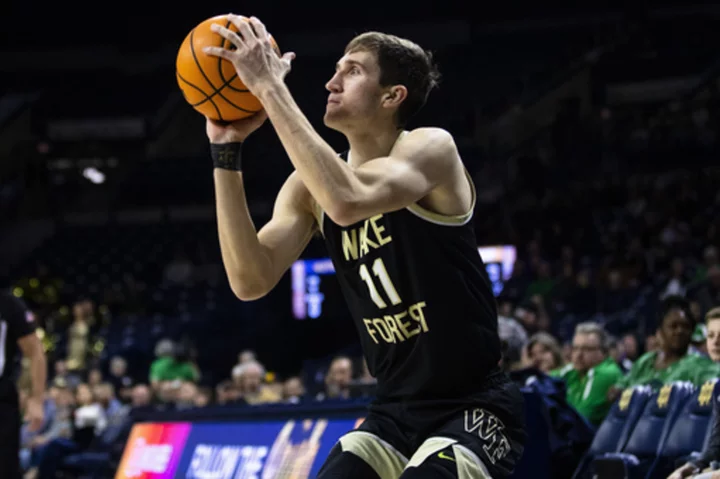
[(30, 345), (422, 160), (289, 230)]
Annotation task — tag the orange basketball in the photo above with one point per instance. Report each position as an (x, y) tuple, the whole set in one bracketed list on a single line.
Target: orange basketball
[(210, 84)]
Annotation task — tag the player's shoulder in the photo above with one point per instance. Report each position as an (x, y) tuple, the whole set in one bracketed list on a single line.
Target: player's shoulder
[(428, 134), (428, 145)]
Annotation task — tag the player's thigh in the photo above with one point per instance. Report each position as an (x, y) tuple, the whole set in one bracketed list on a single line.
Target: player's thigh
[(476, 444), (362, 455), (445, 458)]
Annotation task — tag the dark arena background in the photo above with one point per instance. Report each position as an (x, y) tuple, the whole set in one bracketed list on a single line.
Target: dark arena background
[(591, 131)]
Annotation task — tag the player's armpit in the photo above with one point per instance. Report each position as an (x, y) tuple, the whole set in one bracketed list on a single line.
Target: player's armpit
[(285, 236), (421, 161)]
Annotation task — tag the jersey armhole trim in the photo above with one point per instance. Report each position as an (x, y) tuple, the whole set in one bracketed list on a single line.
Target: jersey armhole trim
[(446, 220)]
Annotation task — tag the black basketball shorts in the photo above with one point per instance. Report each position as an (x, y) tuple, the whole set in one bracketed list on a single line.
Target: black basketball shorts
[(481, 439)]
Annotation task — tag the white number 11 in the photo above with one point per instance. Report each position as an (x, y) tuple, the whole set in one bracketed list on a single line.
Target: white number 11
[(378, 268)]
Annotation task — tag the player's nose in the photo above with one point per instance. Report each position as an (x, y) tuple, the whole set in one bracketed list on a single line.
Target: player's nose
[(333, 85)]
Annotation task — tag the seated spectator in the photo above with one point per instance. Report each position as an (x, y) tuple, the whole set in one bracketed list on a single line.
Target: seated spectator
[(514, 338), (88, 421), (591, 373), (227, 393), (616, 350), (173, 366), (712, 453), (293, 390), (119, 378), (671, 362), (337, 379), (94, 377), (543, 352), (249, 378)]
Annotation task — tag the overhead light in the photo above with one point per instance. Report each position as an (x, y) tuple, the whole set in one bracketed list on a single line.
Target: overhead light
[(94, 175)]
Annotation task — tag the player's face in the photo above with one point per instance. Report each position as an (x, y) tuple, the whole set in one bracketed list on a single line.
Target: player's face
[(355, 95)]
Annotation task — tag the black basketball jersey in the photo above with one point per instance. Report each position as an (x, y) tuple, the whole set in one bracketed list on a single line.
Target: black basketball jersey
[(421, 300)]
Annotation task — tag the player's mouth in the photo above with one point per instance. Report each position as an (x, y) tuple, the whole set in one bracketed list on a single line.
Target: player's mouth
[(333, 101)]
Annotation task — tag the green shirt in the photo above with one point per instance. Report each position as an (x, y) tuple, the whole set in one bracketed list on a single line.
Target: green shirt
[(692, 367), (587, 393), (167, 369)]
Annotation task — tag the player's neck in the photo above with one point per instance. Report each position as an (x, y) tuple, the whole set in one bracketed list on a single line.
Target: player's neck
[(371, 144)]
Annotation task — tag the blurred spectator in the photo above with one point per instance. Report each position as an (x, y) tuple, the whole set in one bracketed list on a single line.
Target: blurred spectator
[(708, 293), (141, 396), (187, 396), (119, 378), (672, 362), (338, 379), (94, 377), (677, 284), (630, 345), (88, 421), (293, 390), (79, 332), (105, 396), (65, 377), (246, 356), (591, 374), (617, 352), (543, 352), (203, 397), (174, 364), (227, 393), (532, 315), (249, 379), (513, 334)]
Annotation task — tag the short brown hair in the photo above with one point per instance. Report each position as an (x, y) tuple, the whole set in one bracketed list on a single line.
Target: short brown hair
[(401, 62), (712, 314)]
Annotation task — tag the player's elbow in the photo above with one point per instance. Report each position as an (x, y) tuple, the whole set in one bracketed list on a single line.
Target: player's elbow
[(344, 212), (247, 288)]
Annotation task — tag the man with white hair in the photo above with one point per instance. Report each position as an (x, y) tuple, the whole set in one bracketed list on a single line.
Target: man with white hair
[(591, 373), (249, 377)]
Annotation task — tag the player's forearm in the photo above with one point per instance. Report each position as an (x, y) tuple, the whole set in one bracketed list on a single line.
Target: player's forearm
[(246, 263), (330, 180), (38, 374)]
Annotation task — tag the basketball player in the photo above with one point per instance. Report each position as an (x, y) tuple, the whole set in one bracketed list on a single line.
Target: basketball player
[(395, 211)]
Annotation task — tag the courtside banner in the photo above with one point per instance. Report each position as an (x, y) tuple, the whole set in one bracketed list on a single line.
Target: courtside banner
[(153, 450), (231, 450)]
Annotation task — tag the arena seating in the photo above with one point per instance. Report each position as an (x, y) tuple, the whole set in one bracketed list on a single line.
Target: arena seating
[(646, 434)]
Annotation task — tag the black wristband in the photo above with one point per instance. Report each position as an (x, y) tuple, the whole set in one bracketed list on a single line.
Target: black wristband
[(226, 156)]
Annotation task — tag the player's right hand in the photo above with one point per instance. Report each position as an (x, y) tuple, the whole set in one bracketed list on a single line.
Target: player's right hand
[(219, 132)]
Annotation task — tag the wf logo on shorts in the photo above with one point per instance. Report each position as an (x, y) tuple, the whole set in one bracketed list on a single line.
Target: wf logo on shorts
[(491, 430)]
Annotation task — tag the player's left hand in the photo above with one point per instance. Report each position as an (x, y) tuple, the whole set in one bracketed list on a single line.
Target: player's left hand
[(256, 61)]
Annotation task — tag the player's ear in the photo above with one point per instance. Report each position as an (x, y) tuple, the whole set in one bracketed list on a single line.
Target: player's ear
[(394, 96)]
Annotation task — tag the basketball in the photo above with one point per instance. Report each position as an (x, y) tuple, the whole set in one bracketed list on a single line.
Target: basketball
[(210, 84)]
